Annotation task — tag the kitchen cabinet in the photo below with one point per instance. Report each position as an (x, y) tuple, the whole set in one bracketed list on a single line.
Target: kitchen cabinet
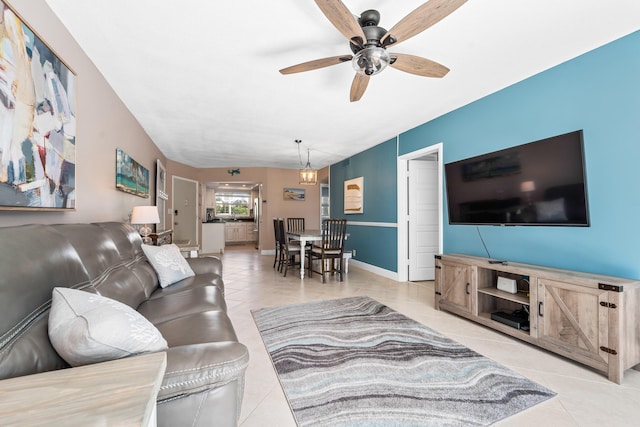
[(235, 232), (240, 232), (210, 198)]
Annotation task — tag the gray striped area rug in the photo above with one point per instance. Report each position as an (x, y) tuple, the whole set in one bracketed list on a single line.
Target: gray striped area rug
[(356, 362)]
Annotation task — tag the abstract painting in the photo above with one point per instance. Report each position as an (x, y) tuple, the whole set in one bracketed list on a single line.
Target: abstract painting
[(131, 176), (37, 121), (161, 193)]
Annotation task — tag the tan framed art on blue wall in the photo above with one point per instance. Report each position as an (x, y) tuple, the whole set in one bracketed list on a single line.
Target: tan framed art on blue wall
[(37, 121), (354, 196)]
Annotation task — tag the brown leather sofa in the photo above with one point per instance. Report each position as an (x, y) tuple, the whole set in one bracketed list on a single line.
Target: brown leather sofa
[(204, 379)]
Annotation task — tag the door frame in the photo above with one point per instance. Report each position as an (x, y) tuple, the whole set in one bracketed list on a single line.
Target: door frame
[(403, 211), (173, 204)]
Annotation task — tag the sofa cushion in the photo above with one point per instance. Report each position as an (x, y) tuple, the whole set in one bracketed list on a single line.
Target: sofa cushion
[(197, 281), (86, 328), (208, 326), (168, 262), (179, 304)]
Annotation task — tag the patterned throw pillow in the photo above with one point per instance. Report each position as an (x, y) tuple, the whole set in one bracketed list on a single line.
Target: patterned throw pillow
[(168, 263), (86, 328)]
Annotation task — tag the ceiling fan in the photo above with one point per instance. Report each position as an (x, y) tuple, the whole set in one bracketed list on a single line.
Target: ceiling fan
[(369, 42)]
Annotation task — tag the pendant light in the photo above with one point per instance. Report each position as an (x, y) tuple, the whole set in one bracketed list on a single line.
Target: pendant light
[(308, 175)]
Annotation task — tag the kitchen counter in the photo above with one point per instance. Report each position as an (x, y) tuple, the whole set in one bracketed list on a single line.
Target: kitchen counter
[(221, 220), (213, 237)]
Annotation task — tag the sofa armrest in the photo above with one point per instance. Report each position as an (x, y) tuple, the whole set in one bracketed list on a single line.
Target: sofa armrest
[(207, 264), (198, 367)]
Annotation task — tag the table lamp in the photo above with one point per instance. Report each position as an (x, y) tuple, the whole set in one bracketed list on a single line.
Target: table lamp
[(145, 215)]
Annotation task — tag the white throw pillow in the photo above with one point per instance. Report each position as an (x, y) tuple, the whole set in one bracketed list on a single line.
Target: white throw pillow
[(168, 263), (86, 328)]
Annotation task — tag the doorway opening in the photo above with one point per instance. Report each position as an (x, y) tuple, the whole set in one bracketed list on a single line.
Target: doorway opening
[(420, 212), (241, 201)]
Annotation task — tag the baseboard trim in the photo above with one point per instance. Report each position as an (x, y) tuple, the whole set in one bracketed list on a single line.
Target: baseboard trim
[(373, 269), (355, 263)]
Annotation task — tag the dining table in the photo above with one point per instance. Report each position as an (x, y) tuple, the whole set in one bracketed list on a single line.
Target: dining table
[(309, 235), (304, 236)]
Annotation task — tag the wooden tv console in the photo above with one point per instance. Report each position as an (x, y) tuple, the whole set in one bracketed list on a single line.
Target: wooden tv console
[(592, 319)]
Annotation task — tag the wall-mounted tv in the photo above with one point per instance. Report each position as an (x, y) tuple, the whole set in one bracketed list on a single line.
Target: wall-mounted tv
[(539, 183)]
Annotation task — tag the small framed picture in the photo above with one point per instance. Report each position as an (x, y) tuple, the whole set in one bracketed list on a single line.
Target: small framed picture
[(293, 194), (131, 176)]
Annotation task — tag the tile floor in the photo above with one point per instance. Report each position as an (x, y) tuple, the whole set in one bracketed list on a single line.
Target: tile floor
[(585, 397)]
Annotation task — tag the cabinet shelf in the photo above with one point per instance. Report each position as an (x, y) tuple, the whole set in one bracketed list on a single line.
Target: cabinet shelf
[(485, 319), (520, 298)]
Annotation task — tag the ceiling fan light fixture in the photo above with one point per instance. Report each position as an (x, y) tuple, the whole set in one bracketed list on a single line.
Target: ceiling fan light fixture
[(371, 60)]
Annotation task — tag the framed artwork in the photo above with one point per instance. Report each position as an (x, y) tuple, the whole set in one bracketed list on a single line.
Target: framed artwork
[(293, 194), (131, 176), (354, 196), (37, 121)]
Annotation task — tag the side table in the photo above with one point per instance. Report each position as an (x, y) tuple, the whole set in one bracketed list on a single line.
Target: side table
[(119, 392)]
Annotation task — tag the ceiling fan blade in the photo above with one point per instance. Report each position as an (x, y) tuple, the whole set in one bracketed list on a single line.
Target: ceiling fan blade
[(315, 64), (418, 66), (358, 86), (341, 18), (420, 19)]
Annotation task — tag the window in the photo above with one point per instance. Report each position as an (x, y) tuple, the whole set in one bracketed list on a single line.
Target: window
[(233, 204)]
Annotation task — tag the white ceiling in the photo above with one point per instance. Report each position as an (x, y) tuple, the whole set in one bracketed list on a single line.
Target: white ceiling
[(202, 76)]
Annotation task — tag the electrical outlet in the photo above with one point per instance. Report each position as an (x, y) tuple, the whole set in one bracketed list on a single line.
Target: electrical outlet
[(353, 253)]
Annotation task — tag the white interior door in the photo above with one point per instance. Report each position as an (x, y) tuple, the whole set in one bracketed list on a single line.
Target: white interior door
[(185, 211), (424, 223)]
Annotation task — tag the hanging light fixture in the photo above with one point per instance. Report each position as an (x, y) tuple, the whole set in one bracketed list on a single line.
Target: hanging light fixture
[(308, 175)]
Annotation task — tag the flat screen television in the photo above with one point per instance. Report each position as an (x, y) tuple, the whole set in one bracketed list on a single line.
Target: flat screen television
[(539, 183)]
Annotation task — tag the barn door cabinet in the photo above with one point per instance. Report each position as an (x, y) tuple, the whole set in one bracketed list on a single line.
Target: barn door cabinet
[(592, 319), (454, 287)]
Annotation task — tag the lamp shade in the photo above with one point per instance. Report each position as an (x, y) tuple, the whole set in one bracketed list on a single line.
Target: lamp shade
[(527, 186), (145, 215), (308, 176)]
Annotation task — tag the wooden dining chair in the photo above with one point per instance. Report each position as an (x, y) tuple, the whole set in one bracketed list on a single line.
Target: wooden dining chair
[(295, 224), (288, 250), (278, 237), (330, 250)]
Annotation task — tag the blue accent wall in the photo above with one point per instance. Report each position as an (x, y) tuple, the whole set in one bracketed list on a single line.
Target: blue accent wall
[(375, 245), (598, 92)]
